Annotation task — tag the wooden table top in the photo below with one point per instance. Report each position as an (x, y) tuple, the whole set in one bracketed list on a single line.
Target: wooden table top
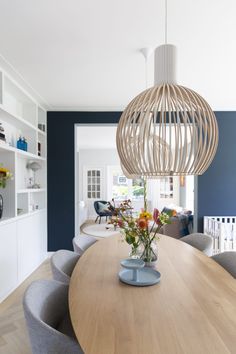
[(192, 310)]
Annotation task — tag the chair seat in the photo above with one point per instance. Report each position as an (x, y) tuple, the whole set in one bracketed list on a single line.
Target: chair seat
[(65, 326)]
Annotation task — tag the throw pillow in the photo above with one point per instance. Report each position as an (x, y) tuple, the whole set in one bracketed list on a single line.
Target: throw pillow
[(102, 208)]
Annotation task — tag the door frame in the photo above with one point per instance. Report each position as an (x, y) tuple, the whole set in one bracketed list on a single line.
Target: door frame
[(76, 163)]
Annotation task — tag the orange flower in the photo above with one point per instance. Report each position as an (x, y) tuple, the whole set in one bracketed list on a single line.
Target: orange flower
[(174, 213), (142, 223)]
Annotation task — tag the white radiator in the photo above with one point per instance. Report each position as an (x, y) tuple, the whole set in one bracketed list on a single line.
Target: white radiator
[(223, 231)]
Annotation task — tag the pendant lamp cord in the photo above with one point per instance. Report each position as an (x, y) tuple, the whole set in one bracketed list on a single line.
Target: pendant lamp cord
[(146, 73), (166, 13), (165, 51)]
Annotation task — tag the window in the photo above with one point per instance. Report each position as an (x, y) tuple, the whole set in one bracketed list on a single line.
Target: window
[(166, 187), (94, 184), (120, 188), (123, 188), (137, 188)]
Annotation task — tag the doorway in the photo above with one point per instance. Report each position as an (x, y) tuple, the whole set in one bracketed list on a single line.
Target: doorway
[(98, 176)]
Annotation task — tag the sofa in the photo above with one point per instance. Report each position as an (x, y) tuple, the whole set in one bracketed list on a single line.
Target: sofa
[(181, 225)]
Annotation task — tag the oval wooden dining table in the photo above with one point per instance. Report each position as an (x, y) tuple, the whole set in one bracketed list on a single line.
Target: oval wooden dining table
[(192, 309)]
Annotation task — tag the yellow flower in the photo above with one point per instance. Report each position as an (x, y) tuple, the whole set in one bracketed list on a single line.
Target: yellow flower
[(4, 170), (145, 215)]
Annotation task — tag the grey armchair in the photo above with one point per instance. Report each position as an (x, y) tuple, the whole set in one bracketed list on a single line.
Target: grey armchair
[(46, 312), (82, 242), (227, 260), (200, 241), (62, 264)]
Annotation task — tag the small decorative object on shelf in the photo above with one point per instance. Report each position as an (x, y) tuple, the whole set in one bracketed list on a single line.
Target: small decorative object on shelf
[(2, 135), (39, 148), (20, 211), (34, 166), (41, 127), (22, 144), (25, 144), (140, 232), (5, 175)]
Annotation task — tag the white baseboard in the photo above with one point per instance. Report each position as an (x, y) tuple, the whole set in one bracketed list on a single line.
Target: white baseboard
[(49, 254)]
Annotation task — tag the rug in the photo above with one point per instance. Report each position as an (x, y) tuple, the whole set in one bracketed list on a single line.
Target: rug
[(99, 230)]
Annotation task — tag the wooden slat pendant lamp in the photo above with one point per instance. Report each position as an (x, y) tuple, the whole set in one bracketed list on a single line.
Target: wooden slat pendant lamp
[(167, 129)]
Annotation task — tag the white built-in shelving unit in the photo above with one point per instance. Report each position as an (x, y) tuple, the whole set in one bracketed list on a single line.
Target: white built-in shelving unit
[(23, 227)]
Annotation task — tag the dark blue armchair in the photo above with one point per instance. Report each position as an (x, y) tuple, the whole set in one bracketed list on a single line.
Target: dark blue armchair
[(101, 212)]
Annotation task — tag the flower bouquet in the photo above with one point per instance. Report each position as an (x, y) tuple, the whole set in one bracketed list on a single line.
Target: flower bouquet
[(5, 175), (140, 231)]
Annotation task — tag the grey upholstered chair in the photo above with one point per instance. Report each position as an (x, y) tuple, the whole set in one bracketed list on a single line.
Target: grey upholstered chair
[(62, 264), (83, 242), (46, 311), (227, 260), (200, 241)]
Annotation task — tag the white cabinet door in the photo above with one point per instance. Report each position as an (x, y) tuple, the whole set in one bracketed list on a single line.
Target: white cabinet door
[(8, 259), (31, 243), (41, 221)]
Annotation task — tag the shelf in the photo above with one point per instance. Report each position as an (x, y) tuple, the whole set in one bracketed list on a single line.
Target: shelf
[(28, 214), (41, 132), (6, 220), (28, 155), (24, 154), (15, 120), (23, 227), (17, 102), (31, 190)]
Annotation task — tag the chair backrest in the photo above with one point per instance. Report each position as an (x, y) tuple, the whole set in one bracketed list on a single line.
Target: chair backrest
[(227, 260), (200, 241), (45, 305), (62, 264), (83, 242), (96, 205)]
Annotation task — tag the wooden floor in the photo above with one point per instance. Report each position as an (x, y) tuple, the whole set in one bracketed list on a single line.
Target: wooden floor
[(13, 333)]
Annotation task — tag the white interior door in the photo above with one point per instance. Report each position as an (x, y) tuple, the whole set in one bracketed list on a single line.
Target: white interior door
[(93, 188)]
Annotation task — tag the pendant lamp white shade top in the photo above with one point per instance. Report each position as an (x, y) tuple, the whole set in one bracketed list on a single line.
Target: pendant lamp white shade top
[(167, 129)]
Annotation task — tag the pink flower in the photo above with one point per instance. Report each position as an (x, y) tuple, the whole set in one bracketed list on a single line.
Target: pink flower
[(156, 214), (120, 223)]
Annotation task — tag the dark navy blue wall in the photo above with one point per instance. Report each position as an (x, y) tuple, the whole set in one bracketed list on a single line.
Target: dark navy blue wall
[(217, 186), (60, 125)]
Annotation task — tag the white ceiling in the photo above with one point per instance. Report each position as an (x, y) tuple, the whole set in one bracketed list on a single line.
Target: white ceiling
[(96, 137), (84, 54)]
